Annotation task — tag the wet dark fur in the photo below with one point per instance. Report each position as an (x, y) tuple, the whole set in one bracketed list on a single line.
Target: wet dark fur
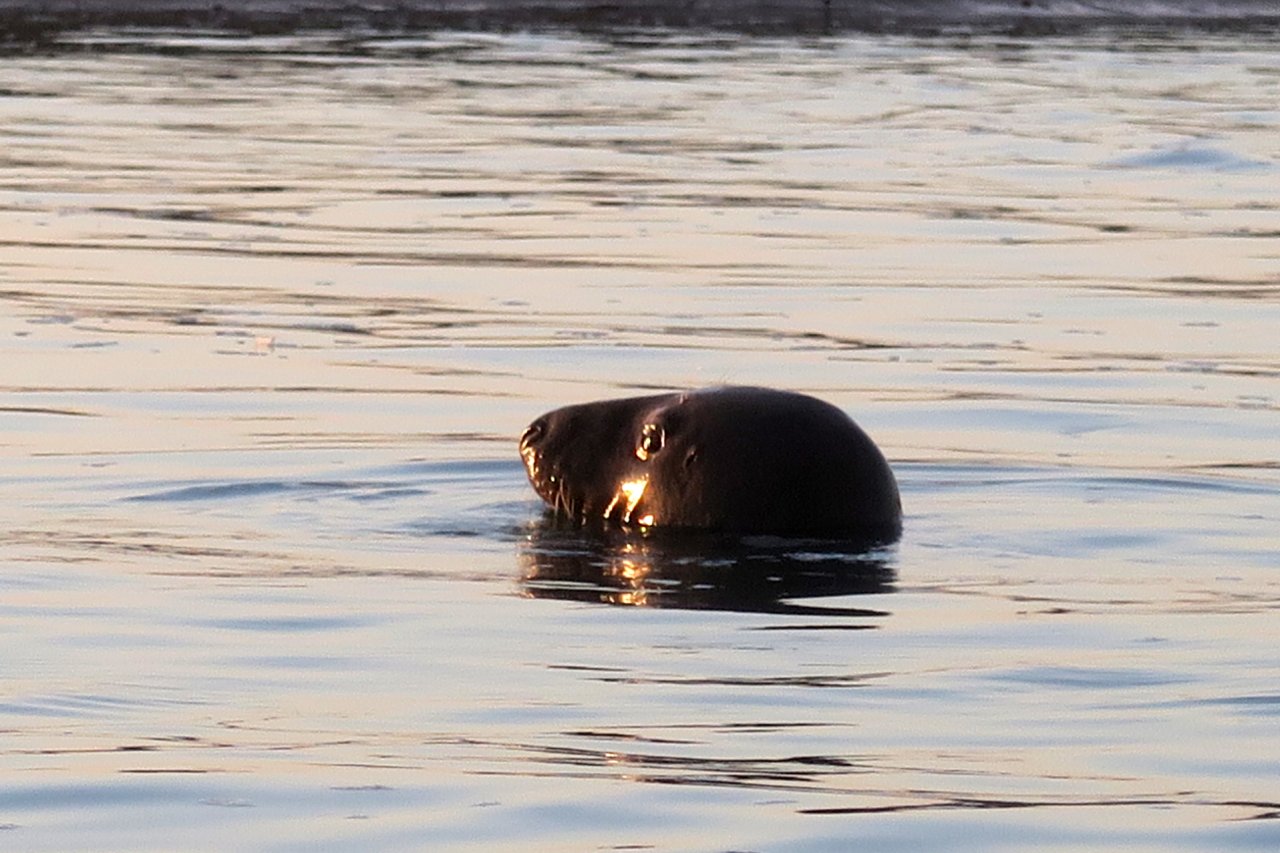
[(735, 459)]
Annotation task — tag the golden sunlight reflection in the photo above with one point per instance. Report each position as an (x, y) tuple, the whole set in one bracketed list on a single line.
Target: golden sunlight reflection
[(630, 567), (629, 494)]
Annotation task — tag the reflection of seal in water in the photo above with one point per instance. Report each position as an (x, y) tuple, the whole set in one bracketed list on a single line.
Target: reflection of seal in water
[(705, 571), (738, 460)]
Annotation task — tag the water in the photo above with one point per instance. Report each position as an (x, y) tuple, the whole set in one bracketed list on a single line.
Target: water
[(274, 311)]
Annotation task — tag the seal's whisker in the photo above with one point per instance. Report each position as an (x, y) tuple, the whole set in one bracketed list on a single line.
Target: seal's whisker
[(564, 505)]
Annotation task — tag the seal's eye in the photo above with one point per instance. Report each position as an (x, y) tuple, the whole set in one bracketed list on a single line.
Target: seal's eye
[(651, 438)]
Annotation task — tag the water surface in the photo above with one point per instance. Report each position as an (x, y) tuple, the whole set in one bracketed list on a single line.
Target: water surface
[(273, 311)]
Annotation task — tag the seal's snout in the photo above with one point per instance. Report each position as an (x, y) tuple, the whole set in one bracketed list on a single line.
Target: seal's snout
[(541, 448), (531, 452)]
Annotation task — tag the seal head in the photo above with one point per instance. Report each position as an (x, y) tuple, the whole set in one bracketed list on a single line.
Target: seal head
[(735, 459)]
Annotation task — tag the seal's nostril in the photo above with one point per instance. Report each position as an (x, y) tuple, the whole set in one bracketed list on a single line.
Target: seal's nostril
[(533, 433)]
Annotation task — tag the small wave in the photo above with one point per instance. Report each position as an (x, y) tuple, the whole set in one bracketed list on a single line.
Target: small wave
[(290, 624), (258, 488), (964, 476), (1091, 678), (1256, 704), (1189, 158)]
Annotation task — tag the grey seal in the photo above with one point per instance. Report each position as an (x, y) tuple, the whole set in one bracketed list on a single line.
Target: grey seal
[(737, 460)]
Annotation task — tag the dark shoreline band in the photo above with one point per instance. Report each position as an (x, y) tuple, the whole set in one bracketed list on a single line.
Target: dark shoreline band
[(34, 20)]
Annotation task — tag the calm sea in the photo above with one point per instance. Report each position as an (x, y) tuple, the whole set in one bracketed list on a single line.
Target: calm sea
[(274, 310)]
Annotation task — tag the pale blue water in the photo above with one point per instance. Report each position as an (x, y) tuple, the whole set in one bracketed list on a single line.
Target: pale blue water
[(274, 311)]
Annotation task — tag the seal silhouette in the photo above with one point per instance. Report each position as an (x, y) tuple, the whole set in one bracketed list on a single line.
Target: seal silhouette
[(739, 460)]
